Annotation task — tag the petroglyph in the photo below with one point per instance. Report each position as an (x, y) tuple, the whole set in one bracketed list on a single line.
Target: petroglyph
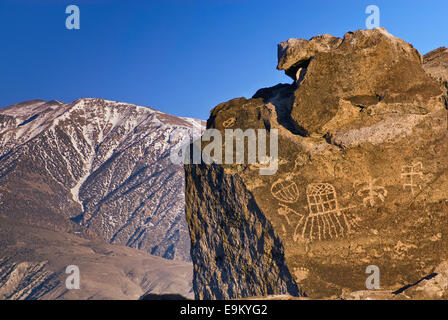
[(285, 191), (410, 175), (284, 233), (344, 168), (229, 123), (265, 161), (283, 211), (401, 248), (321, 198), (325, 219), (301, 273), (373, 193), (300, 160)]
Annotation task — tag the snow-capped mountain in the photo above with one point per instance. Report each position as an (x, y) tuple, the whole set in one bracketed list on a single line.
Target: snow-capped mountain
[(96, 168)]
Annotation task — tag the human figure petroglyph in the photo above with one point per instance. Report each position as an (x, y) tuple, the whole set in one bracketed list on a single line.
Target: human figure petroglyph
[(285, 191), (410, 174), (283, 211), (373, 193), (229, 123), (325, 219)]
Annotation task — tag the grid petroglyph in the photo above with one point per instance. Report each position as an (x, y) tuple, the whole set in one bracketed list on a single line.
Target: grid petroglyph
[(325, 218), (411, 174)]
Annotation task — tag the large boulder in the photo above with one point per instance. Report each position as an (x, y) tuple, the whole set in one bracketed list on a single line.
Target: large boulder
[(362, 177), (436, 64), (368, 69), (295, 54)]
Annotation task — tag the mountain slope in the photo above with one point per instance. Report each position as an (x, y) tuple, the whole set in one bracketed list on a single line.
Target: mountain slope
[(96, 168), (33, 261)]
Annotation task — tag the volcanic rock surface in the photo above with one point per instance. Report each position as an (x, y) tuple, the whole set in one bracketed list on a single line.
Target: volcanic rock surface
[(436, 64), (362, 177)]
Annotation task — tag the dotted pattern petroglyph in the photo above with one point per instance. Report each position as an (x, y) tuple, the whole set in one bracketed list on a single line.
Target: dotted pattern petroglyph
[(301, 273)]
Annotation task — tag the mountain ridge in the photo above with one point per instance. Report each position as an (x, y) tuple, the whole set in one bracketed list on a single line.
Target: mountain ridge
[(96, 168)]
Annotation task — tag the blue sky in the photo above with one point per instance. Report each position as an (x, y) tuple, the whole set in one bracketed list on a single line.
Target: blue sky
[(179, 56)]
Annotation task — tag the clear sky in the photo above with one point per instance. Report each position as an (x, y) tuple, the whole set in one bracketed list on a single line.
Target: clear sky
[(179, 56)]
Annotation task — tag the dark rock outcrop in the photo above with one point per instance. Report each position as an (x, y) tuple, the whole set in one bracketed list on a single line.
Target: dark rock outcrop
[(362, 177), (436, 64)]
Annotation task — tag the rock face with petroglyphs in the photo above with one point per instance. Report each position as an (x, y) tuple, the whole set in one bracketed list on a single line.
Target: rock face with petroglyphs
[(362, 176)]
